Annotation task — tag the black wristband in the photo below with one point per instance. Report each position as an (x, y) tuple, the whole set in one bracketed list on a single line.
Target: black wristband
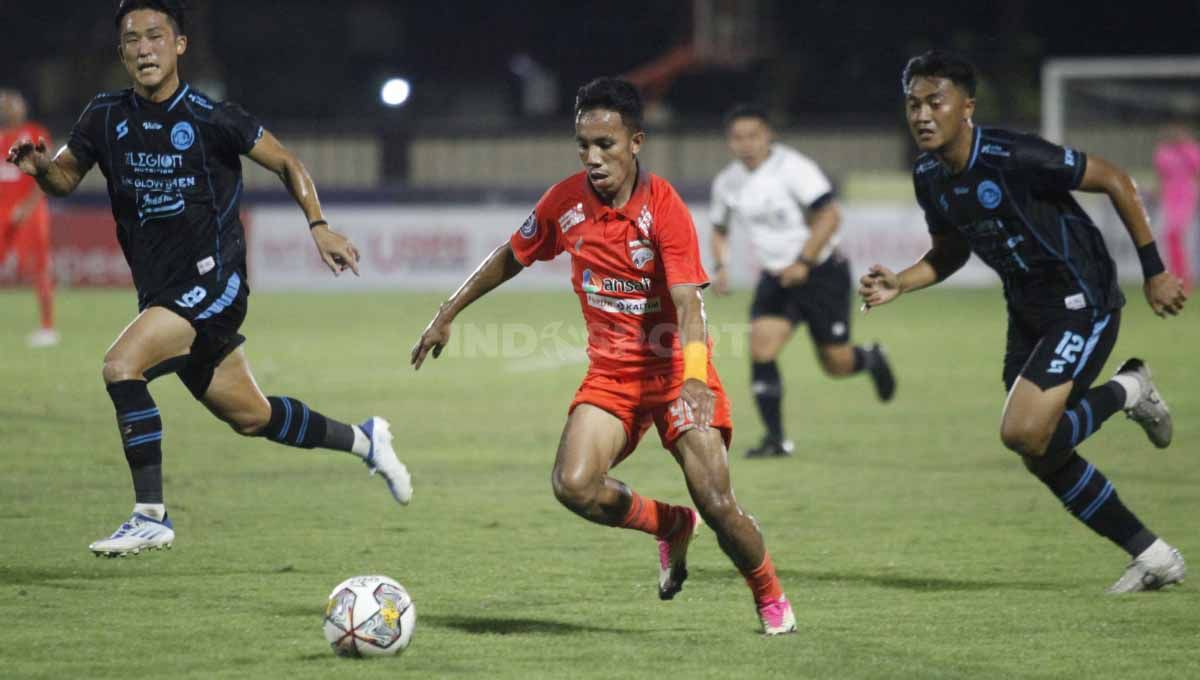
[(317, 223), (1152, 264)]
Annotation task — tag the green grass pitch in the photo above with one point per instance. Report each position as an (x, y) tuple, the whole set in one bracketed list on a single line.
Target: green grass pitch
[(911, 544)]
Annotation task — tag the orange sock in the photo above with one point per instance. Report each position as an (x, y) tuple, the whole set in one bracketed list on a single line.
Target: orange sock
[(651, 516), (45, 295), (763, 582)]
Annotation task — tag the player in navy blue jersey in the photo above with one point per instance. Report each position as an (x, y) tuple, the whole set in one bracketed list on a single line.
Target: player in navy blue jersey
[(1007, 197), (171, 156)]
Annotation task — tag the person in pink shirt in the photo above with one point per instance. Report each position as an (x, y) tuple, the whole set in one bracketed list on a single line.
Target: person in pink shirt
[(1177, 160)]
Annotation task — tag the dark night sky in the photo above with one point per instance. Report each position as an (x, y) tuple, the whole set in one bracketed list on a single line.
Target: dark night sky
[(307, 59)]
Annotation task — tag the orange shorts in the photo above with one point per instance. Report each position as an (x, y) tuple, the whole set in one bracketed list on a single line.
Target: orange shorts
[(639, 402), (31, 241)]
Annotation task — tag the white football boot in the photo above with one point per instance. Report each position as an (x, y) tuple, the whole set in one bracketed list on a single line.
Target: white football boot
[(1156, 567), (1149, 411), (138, 533), (382, 459)]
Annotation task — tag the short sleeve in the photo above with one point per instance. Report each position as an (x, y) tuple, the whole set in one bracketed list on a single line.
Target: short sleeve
[(678, 245), (84, 140), (718, 207), (537, 238), (1054, 168), (240, 130), (935, 220), (805, 181)]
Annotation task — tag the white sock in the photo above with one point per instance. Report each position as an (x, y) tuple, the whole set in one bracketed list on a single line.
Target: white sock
[(1132, 386), (362, 443), (153, 510)]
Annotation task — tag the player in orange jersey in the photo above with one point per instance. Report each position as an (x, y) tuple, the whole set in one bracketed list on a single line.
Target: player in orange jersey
[(25, 215), (636, 269)]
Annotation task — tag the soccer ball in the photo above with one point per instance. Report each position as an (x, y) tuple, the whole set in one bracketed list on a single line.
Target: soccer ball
[(369, 616)]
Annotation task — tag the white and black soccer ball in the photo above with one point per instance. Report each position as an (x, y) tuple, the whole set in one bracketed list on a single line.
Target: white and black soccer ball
[(369, 616)]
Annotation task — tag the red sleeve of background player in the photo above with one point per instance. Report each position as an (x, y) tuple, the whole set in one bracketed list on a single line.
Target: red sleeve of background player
[(678, 245), (537, 239)]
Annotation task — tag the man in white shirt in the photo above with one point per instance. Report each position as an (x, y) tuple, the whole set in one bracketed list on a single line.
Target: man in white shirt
[(787, 205)]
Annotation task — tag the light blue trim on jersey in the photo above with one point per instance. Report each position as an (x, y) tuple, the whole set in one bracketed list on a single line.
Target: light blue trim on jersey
[(1097, 329), (211, 191), (237, 193), (178, 97), (975, 148), (226, 299)]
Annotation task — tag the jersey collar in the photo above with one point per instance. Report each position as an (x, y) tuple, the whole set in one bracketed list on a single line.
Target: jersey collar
[(632, 208), (169, 104)]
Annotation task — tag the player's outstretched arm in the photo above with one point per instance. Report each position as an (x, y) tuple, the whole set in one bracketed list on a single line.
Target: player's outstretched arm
[(693, 339), (497, 268), (57, 176), (1164, 291), (720, 251), (880, 285), (338, 253)]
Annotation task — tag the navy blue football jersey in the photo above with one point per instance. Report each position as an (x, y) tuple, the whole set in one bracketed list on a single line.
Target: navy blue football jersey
[(175, 181), (1013, 205)]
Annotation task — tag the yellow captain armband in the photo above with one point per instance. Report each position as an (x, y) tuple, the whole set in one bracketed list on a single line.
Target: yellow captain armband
[(695, 361)]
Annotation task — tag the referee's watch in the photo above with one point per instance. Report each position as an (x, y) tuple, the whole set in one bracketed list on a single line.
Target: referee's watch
[(807, 261)]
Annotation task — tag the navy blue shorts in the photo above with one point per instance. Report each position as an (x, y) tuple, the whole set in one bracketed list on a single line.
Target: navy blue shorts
[(1051, 350), (216, 308)]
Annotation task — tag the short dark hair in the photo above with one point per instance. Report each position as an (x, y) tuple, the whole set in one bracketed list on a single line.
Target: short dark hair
[(746, 110), (174, 10), (612, 94), (940, 64)]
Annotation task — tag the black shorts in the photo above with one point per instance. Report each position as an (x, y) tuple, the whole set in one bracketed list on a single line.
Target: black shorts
[(823, 301), (1050, 350), (216, 308)]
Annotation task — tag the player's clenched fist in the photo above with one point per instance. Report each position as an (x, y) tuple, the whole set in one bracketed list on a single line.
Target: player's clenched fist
[(32, 158), (1165, 293), (337, 252), (879, 286)]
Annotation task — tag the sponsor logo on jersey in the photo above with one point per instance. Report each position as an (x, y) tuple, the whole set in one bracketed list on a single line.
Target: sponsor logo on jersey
[(989, 194), (588, 282), (200, 101), (530, 226), (122, 129), (206, 265), (1069, 157), (151, 125), (571, 218), (959, 191), (994, 150), (645, 221), (182, 136), (635, 306), (626, 286), (143, 162), (926, 165)]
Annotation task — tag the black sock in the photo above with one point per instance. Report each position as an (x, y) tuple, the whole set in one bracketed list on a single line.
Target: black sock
[(861, 356), (768, 394), (140, 426), (293, 423), (1084, 418), (1091, 498)]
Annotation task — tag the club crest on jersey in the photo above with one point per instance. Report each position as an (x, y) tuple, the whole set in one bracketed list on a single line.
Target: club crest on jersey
[(122, 129), (571, 218), (530, 227), (988, 193), (182, 136), (641, 253), (645, 221)]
